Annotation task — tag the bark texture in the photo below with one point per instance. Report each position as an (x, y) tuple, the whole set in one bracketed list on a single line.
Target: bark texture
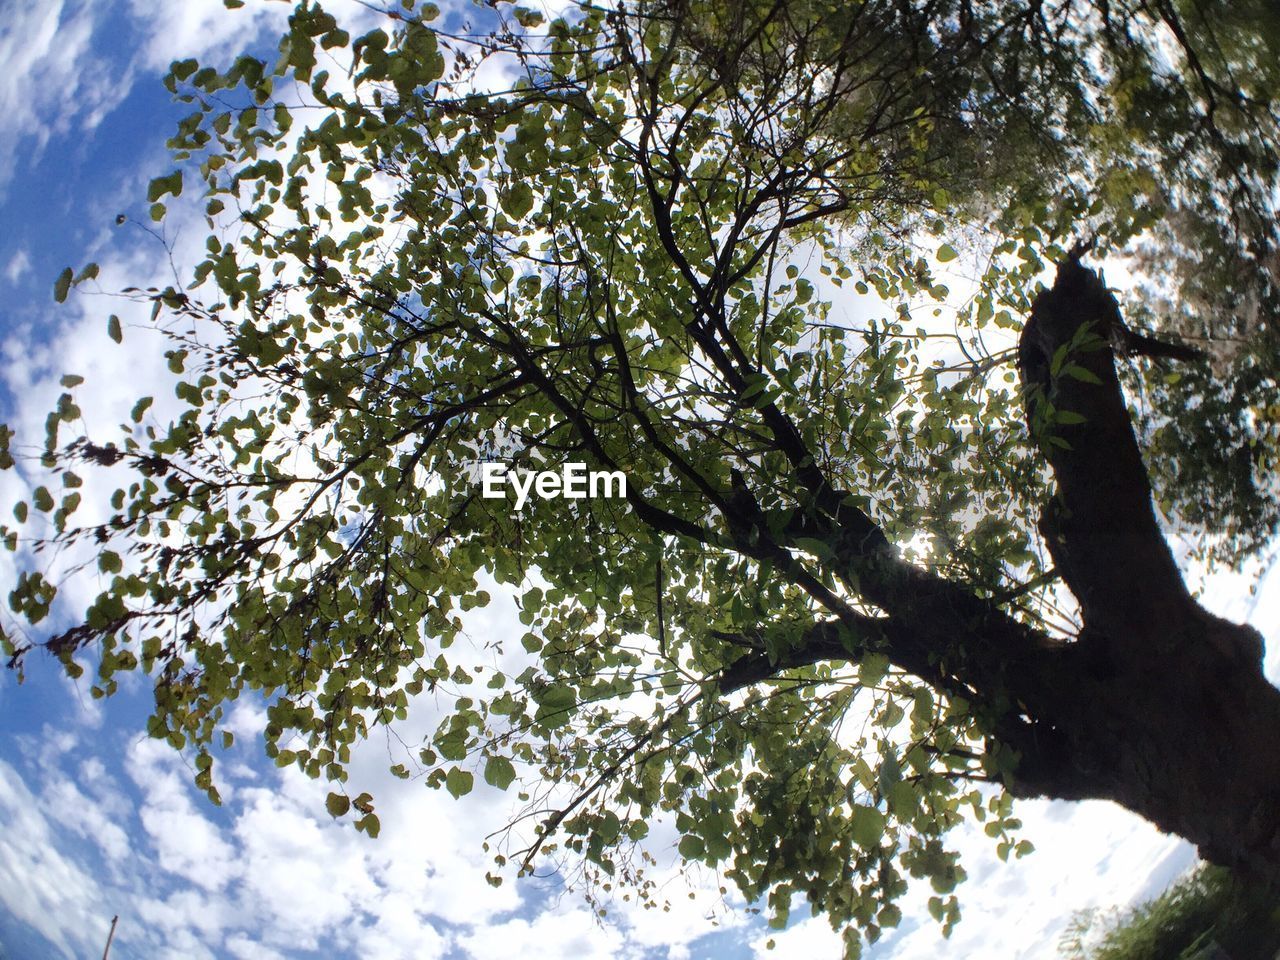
[(1170, 715)]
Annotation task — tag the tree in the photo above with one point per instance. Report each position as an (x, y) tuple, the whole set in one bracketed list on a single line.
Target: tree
[(862, 565)]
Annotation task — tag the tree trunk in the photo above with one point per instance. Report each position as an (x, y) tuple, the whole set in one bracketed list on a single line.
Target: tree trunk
[(1157, 704), (1167, 711), (1186, 740)]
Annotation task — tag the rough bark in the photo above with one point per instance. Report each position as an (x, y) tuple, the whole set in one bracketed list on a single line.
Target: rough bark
[(1170, 715)]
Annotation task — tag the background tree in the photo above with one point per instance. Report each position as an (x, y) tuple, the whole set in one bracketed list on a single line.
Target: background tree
[(1208, 912), (848, 583)]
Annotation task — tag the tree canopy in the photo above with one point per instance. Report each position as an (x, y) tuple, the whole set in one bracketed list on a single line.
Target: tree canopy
[(888, 532)]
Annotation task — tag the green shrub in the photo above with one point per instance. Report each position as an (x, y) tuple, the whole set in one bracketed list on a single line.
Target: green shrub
[(1206, 908)]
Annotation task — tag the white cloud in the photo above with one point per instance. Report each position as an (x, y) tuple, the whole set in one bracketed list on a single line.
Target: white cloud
[(17, 266), (399, 931), (1087, 854), (203, 29), (39, 884), (271, 874), (811, 937), (242, 948), (306, 876), (53, 81), (187, 843), (48, 747), (551, 935), (69, 806), (58, 79), (191, 921)]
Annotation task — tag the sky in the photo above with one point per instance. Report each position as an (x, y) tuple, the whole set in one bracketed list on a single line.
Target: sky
[(101, 821)]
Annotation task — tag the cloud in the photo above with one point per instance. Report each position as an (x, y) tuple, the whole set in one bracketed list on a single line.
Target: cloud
[(203, 29), (1087, 854), (40, 885), (54, 80), (242, 948), (271, 874), (17, 267), (307, 877), (812, 937), (550, 935), (67, 804), (186, 842)]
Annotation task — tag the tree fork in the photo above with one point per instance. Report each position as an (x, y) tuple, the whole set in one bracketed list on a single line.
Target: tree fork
[(1172, 717), (1157, 705)]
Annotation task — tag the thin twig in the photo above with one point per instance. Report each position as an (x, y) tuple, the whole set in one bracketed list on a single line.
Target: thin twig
[(110, 936)]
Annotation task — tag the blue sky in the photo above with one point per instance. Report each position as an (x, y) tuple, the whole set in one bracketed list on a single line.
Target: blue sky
[(100, 820)]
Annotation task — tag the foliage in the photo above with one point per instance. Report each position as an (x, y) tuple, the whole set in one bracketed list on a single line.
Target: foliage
[(630, 258), (1207, 906)]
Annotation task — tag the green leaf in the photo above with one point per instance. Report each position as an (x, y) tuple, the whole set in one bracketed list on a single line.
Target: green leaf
[(459, 782), (904, 799), (163, 186), (517, 201), (936, 908), (556, 705), (42, 500), (1083, 374), (890, 774), (113, 328), (181, 69), (691, 847), (946, 253), (818, 548), (527, 18), (499, 772), (755, 384), (337, 804), (866, 826), (109, 562), (1059, 358), (872, 669), (62, 286)]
